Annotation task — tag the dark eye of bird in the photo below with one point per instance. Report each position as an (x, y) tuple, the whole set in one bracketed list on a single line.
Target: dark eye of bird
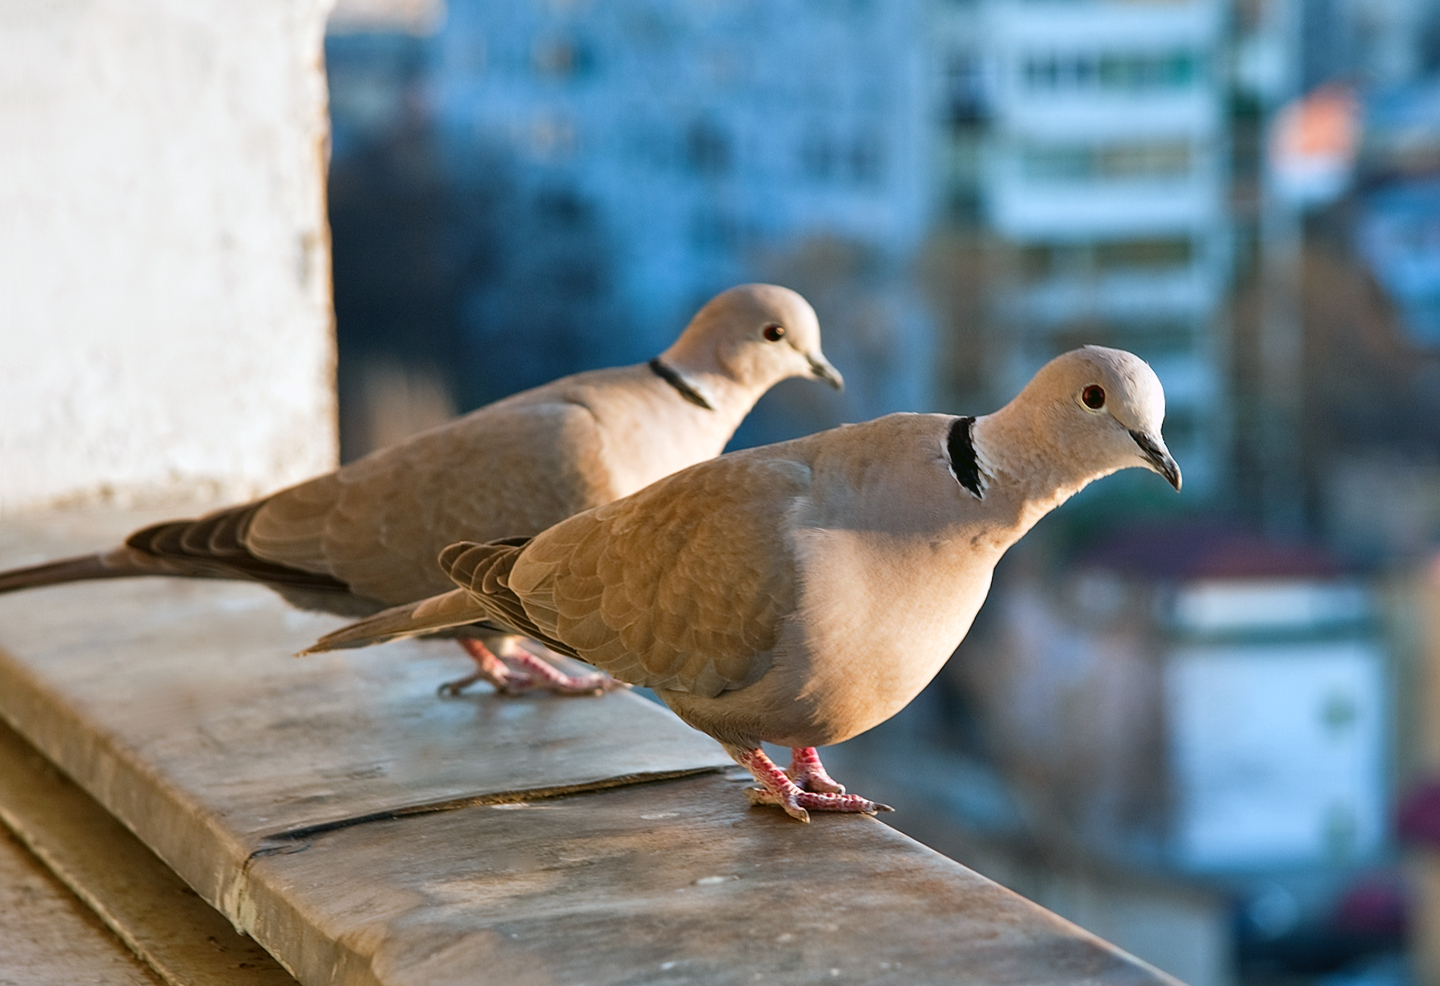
[(773, 332), (1093, 397)]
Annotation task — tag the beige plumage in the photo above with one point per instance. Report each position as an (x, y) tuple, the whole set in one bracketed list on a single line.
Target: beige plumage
[(801, 593), (367, 535)]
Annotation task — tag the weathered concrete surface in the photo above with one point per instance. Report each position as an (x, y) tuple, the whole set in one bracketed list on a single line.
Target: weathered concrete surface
[(303, 798), (165, 256), (669, 883), (139, 898), (48, 938)]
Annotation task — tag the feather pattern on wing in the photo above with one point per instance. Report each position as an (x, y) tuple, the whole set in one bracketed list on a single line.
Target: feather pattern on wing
[(682, 587), (381, 537), (455, 608)]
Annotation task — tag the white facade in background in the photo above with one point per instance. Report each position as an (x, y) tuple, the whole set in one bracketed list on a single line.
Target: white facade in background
[(1105, 172), (1109, 119), (1278, 754), (165, 319), (1277, 705)]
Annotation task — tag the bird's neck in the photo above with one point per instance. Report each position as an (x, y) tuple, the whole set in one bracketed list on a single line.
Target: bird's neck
[(1023, 465), (728, 399)]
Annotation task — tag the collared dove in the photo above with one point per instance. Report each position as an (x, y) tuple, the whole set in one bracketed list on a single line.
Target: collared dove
[(803, 592), (368, 535)]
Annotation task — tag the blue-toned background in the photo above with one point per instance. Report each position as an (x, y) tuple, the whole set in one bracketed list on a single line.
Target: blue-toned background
[(1191, 723)]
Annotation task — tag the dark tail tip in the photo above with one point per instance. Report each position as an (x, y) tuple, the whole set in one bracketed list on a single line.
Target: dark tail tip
[(76, 569)]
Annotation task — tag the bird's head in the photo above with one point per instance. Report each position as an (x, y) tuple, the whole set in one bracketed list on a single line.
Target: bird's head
[(1103, 408), (757, 335)]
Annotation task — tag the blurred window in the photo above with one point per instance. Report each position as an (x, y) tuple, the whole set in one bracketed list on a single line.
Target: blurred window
[(1114, 162), (867, 159), (561, 57), (707, 148), (1040, 261), (1148, 254), (1111, 71), (964, 90), (817, 156), (562, 208)]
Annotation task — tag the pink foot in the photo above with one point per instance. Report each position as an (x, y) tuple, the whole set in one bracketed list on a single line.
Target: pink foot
[(545, 675), (516, 671), (776, 787), (809, 774), (489, 668)]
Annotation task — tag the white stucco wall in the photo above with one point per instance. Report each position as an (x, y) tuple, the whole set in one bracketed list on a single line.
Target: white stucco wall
[(165, 317)]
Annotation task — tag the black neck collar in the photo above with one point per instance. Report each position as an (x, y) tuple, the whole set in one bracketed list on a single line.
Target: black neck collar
[(964, 462), (678, 382)]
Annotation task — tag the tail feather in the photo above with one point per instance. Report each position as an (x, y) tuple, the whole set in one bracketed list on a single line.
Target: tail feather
[(76, 569), (453, 609), (119, 563)]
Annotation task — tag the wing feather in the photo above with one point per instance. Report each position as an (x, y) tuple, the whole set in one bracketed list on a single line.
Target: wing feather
[(379, 524), (682, 585)]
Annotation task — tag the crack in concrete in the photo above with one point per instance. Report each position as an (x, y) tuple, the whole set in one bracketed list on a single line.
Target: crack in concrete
[(283, 842)]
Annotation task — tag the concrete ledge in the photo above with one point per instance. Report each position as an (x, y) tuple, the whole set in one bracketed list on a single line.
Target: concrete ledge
[(365, 831), (151, 910)]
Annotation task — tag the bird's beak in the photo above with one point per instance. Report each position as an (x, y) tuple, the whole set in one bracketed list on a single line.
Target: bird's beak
[(1158, 456), (822, 369)]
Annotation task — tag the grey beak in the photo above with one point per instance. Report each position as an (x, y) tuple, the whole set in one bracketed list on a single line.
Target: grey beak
[(1159, 457), (822, 369)]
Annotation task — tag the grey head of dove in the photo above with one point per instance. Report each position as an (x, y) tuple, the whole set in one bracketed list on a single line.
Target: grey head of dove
[(782, 340), (368, 535), (803, 592)]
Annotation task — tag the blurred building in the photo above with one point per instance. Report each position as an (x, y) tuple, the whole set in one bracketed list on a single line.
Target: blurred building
[(1336, 383), (1200, 699), (649, 155), (961, 75), (1104, 183), (1398, 232), (1209, 707)]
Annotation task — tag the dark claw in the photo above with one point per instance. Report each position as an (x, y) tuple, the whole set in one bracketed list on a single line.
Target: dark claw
[(454, 689)]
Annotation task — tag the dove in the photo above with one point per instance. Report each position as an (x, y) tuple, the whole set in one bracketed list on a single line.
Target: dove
[(368, 535), (801, 593)]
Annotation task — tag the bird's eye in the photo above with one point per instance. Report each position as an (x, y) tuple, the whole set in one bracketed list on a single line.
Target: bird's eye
[(773, 332), (1093, 397)]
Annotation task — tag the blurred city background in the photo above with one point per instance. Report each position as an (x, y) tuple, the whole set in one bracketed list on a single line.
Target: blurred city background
[(1206, 726)]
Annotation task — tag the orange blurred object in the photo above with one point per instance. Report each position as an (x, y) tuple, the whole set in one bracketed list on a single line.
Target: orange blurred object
[(1313, 143)]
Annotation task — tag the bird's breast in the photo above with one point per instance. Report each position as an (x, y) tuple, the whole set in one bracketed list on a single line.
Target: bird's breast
[(658, 439), (877, 619)]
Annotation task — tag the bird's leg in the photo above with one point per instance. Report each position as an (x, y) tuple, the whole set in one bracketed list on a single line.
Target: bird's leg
[(512, 670), (519, 652), (809, 774), (776, 788), (489, 668)]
